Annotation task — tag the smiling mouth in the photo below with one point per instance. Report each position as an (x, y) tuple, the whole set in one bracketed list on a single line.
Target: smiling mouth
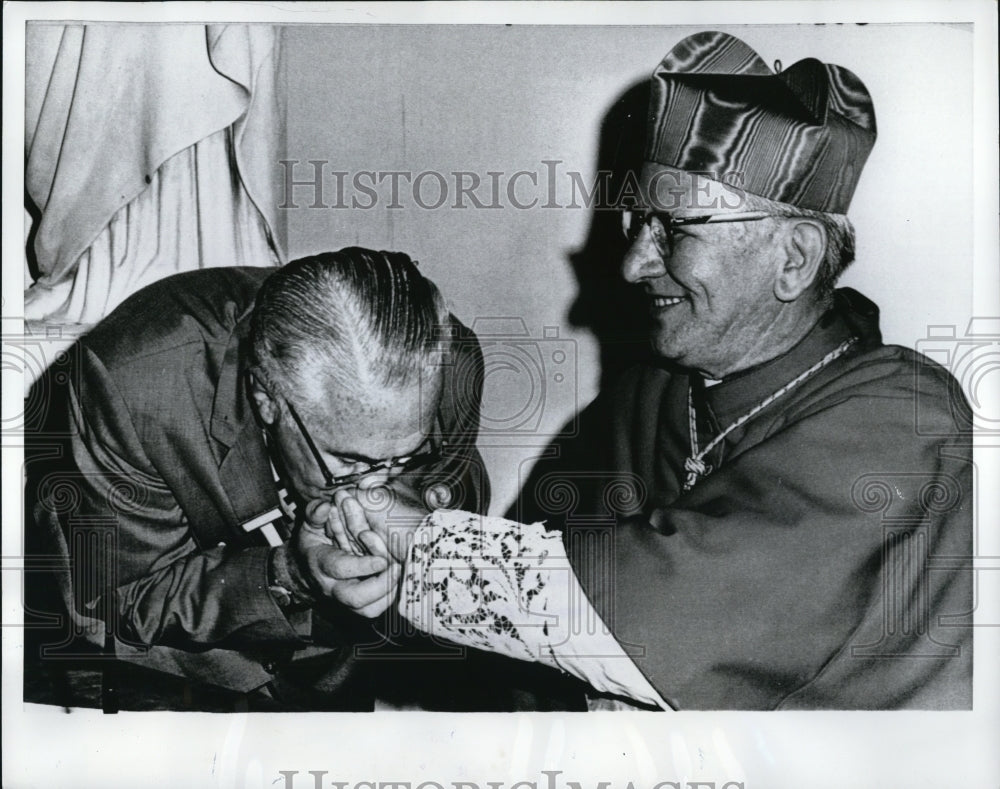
[(662, 302)]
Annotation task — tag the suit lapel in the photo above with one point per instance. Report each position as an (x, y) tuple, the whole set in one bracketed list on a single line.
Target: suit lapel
[(244, 470)]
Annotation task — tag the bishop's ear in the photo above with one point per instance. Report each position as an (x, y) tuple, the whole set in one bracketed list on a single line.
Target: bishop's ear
[(267, 407), (805, 249)]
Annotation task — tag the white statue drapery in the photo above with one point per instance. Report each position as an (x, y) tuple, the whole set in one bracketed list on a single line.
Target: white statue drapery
[(149, 150)]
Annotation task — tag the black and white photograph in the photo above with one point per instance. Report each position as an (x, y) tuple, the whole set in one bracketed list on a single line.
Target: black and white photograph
[(501, 395)]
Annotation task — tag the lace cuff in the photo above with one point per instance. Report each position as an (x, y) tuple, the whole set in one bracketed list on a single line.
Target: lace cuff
[(507, 587)]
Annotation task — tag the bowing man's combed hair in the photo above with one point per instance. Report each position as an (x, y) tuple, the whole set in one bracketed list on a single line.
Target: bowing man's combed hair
[(354, 318)]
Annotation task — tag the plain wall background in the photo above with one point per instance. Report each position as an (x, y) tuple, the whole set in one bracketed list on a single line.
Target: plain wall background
[(503, 99)]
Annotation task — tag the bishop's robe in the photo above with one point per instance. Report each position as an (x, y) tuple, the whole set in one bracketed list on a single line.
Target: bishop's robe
[(825, 562)]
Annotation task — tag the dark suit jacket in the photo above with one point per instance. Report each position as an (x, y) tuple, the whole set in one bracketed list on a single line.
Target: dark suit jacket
[(169, 461)]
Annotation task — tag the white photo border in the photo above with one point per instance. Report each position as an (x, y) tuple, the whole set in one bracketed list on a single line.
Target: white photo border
[(46, 747)]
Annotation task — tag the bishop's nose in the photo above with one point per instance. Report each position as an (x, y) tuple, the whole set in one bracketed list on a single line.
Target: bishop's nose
[(643, 261)]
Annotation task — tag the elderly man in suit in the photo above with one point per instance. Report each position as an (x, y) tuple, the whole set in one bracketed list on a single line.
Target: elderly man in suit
[(228, 424)]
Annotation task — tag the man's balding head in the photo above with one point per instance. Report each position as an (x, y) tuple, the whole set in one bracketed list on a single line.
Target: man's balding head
[(353, 341), (350, 321)]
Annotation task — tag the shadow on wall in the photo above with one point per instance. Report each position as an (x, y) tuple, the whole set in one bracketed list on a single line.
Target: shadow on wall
[(605, 304)]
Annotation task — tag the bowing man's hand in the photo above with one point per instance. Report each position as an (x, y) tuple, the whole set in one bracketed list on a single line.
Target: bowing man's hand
[(390, 512), (365, 582)]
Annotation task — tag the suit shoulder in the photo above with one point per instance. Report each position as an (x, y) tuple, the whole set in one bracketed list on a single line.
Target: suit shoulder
[(194, 307)]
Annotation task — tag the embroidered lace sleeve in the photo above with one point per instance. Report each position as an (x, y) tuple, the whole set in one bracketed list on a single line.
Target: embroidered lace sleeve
[(507, 587)]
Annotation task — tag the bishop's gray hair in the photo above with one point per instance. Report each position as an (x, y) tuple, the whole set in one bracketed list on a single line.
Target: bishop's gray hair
[(351, 319), (840, 239)]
